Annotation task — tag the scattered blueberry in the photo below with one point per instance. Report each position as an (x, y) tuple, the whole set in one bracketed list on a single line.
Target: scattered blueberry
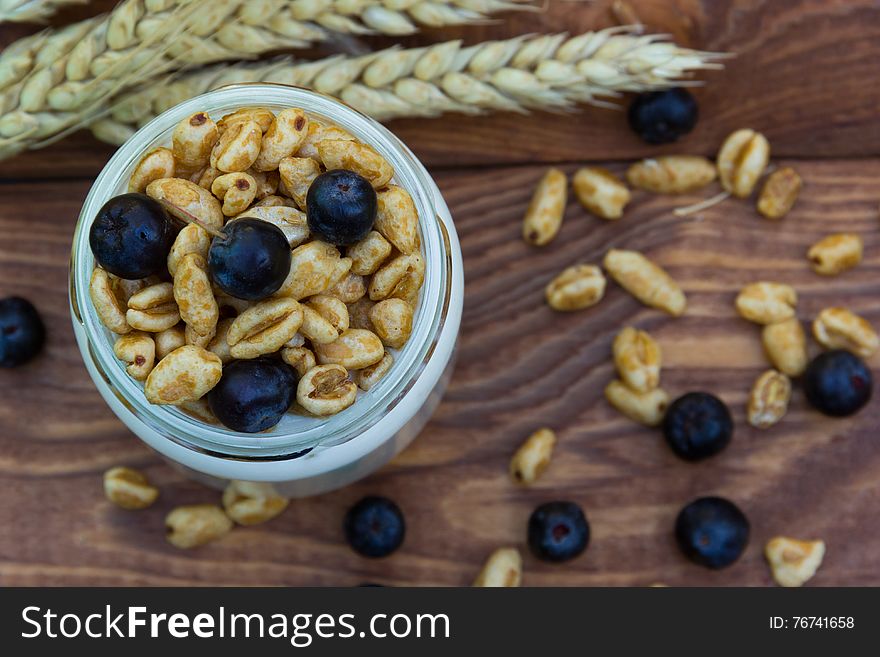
[(131, 236), (837, 383), (251, 261), (22, 333), (253, 395), (341, 207), (697, 425), (661, 117), (712, 532), (374, 527), (558, 531)]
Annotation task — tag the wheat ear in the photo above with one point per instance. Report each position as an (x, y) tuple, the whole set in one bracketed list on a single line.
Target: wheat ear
[(32, 11), (236, 29), (66, 82), (548, 72), (59, 78)]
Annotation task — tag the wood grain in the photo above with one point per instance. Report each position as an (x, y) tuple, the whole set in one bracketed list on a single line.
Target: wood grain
[(803, 74), (521, 366)]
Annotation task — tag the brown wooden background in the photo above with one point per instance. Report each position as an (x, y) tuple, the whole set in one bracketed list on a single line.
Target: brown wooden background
[(805, 75)]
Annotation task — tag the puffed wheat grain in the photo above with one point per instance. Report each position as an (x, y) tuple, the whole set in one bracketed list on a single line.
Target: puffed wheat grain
[(543, 217)]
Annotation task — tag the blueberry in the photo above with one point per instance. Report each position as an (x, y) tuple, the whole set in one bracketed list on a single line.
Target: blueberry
[(251, 261), (697, 425), (374, 527), (253, 395), (22, 333), (837, 383), (558, 531), (661, 117), (341, 207), (131, 236), (712, 532)]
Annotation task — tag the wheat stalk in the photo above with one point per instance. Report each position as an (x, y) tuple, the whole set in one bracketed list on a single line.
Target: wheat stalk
[(32, 11), (549, 72), (56, 79)]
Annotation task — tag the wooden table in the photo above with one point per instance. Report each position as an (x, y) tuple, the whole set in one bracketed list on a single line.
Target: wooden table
[(805, 75)]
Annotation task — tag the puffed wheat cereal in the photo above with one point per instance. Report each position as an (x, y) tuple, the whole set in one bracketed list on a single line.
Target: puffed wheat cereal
[(326, 390), (169, 340), (238, 147), (575, 288), (251, 503), (742, 160), (153, 309), (312, 267), (671, 174), (645, 280), (647, 408), (335, 319), (543, 217), (285, 135), (600, 192), (354, 349), (840, 328), (348, 289), (533, 457), (157, 163), (792, 561), (260, 115), (397, 219), (106, 303), (368, 254), (194, 296), (291, 221), (264, 327), (637, 358), (129, 489), (189, 197), (401, 278), (768, 401), (786, 346), (299, 358), (297, 175), (332, 309), (367, 377), (503, 568), (766, 303), (779, 193), (315, 327), (236, 190), (192, 141), (184, 375), (195, 525), (192, 238), (393, 322), (355, 156), (138, 350), (836, 253)]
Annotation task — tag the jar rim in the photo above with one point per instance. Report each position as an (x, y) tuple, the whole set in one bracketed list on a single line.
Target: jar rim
[(274, 444)]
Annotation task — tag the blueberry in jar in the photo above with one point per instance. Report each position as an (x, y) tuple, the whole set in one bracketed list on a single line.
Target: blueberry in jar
[(697, 425), (374, 527), (558, 531), (251, 260), (837, 383), (341, 207), (22, 333), (661, 117), (712, 532), (131, 236), (253, 395)]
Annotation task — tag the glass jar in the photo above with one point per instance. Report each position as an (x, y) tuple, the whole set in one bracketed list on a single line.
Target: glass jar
[(302, 455)]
